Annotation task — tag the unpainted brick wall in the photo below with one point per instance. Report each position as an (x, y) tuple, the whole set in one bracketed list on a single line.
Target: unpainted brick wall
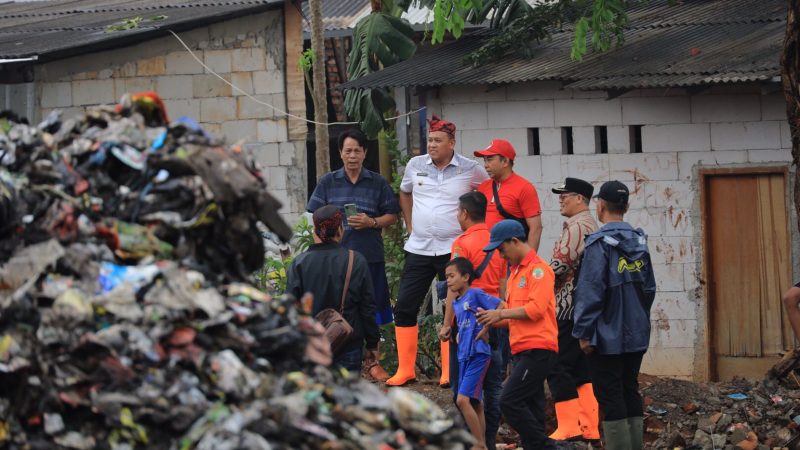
[(250, 52)]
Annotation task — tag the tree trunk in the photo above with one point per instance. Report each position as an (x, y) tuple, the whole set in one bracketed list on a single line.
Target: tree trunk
[(320, 89), (790, 76)]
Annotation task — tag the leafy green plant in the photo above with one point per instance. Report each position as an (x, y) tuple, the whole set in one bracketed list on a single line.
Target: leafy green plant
[(132, 22), (303, 235), (272, 277), (429, 347), (305, 62), (379, 40)]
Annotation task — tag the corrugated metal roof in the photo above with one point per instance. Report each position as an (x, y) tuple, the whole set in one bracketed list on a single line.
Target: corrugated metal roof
[(694, 42), (338, 14), (53, 29), (345, 14)]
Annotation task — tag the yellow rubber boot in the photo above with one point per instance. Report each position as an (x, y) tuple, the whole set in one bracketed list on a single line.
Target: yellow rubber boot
[(589, 416), (444, 380), (567, 416), (406, 339)]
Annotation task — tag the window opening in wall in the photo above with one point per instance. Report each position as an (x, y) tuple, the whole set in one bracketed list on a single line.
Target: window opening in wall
[(636, 138), (566, 140), (601, 139), (534, 145)]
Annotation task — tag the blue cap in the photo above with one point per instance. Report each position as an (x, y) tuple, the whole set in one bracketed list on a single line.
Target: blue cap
[(503, 231)]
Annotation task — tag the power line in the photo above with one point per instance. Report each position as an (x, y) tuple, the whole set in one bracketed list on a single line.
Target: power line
[(263, 103)]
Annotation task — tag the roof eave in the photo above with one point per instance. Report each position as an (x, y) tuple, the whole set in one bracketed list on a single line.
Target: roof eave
[(127, 39)]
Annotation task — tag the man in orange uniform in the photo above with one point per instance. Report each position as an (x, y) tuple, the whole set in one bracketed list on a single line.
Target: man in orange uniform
[(491, 278), (530, 316), (510, 196)]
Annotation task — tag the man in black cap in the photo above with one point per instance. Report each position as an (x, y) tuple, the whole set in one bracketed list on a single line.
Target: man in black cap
[(570, 384), (612, 301)]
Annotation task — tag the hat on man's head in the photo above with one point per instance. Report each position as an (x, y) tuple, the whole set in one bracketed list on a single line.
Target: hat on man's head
[(498, 147), (327, 221), (503, 231), (614, 192), (437, 124), (575, 186)]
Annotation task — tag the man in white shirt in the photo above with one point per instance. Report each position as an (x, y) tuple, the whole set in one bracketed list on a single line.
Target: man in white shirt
[(429, 195)]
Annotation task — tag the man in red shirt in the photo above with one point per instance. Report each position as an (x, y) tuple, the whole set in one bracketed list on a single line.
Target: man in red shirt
[(510, 196)]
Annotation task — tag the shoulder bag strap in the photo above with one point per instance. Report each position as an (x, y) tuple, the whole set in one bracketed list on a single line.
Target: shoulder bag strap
[(505, 213), (485, 263), (347, 279)]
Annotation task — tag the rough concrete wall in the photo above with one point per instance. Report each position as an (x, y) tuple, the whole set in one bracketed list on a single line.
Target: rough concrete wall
[(249, 52), (730, 126)]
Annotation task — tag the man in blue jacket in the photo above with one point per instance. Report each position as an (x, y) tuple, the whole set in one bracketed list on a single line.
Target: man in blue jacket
[(612, 301)]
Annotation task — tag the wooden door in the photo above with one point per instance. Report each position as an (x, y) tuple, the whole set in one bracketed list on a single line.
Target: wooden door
[(749, 267)]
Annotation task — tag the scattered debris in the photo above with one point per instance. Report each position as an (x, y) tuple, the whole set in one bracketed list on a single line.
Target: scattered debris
[(739, 414), (128, 318)]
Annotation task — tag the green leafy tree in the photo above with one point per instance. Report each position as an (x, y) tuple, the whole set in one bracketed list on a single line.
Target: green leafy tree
[(379, 40)]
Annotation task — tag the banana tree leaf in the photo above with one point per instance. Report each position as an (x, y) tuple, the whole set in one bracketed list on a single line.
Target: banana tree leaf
[(379, 41)]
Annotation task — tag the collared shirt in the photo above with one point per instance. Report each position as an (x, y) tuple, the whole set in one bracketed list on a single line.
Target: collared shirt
[(530, 286), (517, 195), (435, 196), (567, 253), (470, 245), (370, 193)]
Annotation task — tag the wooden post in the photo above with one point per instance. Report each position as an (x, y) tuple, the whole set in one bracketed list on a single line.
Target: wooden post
[(320, 90)]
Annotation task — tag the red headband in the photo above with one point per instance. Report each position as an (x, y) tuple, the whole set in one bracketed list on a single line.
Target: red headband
[(437, 124), (326, 227)]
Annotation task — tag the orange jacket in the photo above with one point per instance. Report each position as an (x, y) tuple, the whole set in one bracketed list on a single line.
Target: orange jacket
[(531, 285)]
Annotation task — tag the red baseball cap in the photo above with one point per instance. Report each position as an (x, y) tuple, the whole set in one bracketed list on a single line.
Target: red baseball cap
[(498, 147)]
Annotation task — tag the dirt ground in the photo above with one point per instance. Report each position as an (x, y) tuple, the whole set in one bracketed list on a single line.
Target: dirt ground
[(678, 412)]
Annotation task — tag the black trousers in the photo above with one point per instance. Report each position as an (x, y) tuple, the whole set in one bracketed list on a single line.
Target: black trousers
[(571, 369), (522, 401), (418, 273), (615, 379)]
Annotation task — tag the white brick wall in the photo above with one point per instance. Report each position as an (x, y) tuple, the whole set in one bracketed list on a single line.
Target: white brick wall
[(676, 138), (468, 116), (687, 161), (550, 141), (745, 135), (56, 95), (583, 141), (655, 110), (680, 134), (644, 166), (175, 87), (588, 112), (521, 114), (619, 140), (92, 92), (725, 108), (773, 107)]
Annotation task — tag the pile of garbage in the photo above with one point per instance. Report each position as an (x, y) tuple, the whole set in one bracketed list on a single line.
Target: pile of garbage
[(738, 414), (128, 317)]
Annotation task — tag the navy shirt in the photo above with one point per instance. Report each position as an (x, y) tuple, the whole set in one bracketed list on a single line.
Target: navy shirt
[(465, 308), (371, 194)]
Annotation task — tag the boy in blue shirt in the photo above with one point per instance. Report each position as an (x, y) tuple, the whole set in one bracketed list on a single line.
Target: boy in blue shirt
[(474, 354)]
